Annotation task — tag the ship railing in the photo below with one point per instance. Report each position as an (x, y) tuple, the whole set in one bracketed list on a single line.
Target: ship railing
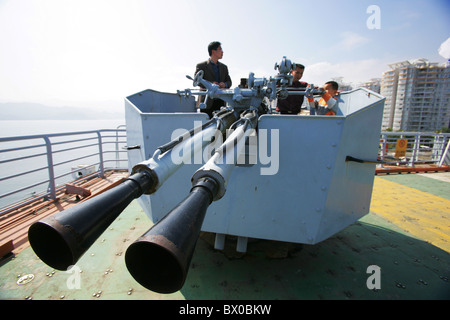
[(418, 148), (36, 167)]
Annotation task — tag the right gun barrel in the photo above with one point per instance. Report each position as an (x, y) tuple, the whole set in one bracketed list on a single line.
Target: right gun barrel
[(159, 260)]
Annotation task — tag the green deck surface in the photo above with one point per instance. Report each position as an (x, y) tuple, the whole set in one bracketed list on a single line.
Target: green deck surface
[(410, 267)]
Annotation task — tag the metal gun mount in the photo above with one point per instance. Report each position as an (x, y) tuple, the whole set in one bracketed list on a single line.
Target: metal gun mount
[(333, 192), (258, 89)]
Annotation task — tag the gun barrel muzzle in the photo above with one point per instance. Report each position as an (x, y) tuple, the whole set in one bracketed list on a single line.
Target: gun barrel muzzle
[(159, 260), (60, 240)]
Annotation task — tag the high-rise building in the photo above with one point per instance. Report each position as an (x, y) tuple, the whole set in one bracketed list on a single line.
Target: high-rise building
[(417, 96), (373, 85), (343, 86)]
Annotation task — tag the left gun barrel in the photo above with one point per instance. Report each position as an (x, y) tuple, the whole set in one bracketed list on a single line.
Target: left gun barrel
[(60, 240)]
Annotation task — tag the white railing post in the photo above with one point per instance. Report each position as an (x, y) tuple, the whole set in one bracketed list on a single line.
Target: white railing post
[(415, 151), (101, 166), (51, 172), (444, 154)]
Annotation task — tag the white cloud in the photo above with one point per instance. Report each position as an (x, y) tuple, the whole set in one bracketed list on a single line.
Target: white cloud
[(75, 52), (444, 49), (351, 40), (354, 72)]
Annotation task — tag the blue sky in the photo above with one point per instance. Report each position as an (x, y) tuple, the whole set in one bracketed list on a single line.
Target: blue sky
[(93, 53)]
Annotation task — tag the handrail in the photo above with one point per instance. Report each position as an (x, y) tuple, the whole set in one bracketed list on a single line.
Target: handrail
[(36, 161), (422, 147), (50, 163)]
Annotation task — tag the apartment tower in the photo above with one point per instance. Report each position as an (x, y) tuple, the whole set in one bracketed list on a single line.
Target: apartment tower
[(417, 96)]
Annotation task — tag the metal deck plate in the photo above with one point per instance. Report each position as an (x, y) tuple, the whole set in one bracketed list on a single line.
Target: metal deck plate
[(412, 266)]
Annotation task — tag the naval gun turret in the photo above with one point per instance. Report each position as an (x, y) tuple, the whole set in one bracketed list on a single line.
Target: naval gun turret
[(247, 172)]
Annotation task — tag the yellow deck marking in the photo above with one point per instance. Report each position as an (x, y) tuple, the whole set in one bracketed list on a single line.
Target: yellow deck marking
[(422, 214)]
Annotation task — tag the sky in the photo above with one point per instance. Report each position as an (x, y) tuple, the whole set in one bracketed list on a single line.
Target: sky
[(94, 53)]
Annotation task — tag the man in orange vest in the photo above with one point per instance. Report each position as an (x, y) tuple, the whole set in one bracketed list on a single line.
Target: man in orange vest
[(327, 104)]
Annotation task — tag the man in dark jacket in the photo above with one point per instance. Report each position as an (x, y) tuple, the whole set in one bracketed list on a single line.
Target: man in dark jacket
[(215, 72), (293, 103)]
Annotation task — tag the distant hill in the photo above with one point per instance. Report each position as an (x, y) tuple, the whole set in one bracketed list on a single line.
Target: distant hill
[(36, 111)]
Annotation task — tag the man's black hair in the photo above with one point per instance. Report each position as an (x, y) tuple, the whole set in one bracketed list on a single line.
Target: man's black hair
[(334, 84), (213, 46)]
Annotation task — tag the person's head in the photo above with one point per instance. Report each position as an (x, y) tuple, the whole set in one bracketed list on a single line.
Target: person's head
[(332, 87), (215, 50), (298, 72)]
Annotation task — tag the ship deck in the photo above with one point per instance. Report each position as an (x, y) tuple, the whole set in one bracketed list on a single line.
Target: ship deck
[(406, 234)]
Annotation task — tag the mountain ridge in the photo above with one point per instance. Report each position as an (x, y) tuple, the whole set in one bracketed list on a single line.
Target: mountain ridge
[(37, 111)]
